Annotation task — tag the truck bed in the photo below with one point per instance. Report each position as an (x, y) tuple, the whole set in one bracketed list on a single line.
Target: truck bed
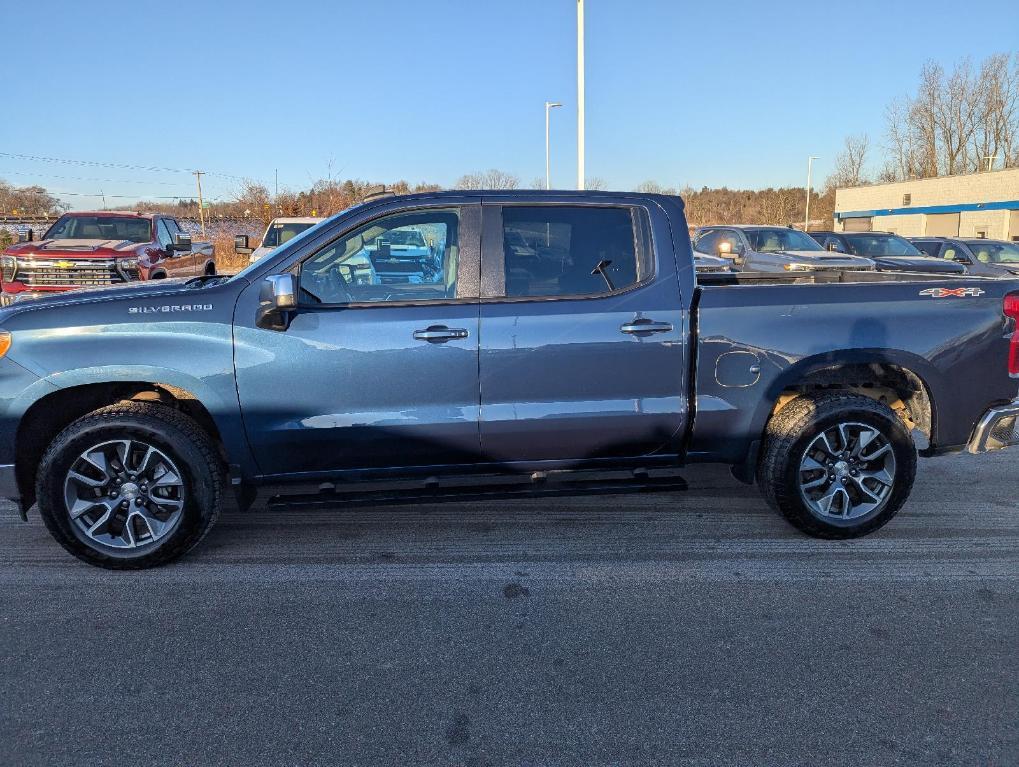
[(757, 333)]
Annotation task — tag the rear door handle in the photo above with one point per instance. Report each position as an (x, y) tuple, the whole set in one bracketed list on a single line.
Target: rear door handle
[(646, 326), (440, 333)]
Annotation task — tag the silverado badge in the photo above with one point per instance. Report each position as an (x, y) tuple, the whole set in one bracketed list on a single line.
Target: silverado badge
[(951, 292)]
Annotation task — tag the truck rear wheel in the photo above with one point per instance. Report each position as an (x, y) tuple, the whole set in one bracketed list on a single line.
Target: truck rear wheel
[(837, 465), (130, 486)]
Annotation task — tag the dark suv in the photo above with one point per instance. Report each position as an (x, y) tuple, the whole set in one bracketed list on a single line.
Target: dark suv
[(984, 258), (890, 252)]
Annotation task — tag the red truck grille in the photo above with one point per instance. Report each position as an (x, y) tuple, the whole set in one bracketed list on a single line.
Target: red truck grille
[(73, 273)]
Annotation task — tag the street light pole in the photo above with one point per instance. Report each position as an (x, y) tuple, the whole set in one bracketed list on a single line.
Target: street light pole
[(806, 216), (548, 166), (580, 94)]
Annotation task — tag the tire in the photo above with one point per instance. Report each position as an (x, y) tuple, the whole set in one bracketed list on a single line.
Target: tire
[(802, 433), (170, 518)]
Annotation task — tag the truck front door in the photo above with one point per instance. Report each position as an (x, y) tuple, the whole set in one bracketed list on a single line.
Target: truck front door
[(368, 375), (174, 263), (583, 334)]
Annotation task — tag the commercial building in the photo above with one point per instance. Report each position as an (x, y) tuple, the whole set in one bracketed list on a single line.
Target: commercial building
[(973, 205)]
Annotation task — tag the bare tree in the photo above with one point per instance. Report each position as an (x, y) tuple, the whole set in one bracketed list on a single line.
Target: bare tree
[(849, 163), (957, 122), (491, 179), (595, 182)]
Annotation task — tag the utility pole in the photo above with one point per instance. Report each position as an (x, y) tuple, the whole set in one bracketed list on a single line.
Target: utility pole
[(580, 94), (548, 167), (201, 209), (806, 215), (276, 188)]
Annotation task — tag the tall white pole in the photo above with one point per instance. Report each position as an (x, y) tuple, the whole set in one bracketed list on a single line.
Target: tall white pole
[(548, 164), (549, 105), (806, 215), (580, 94)]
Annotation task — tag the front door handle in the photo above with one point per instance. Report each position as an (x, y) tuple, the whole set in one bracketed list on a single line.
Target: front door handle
[(646, 326), (440, 333)]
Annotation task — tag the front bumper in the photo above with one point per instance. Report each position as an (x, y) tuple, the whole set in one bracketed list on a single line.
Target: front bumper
[(998, 428)]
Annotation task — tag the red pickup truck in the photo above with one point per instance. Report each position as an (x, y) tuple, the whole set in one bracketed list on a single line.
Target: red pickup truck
[(89, 249)]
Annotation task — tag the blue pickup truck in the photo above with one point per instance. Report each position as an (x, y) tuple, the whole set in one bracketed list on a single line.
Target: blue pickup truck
[(560, 331)]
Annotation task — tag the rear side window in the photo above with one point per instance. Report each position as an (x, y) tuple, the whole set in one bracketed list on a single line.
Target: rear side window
[(573, 251)]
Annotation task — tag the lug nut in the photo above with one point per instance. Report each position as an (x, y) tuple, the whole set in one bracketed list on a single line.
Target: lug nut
[(139, 501)]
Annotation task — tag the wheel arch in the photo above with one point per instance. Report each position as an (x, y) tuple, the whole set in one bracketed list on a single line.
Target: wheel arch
[(48, 415), (874, 373)]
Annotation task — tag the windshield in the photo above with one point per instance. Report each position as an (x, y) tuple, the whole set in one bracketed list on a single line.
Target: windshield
[(775, 240), (406, 237), (100, 228), (278, 234), (881, 245), (994, 252)]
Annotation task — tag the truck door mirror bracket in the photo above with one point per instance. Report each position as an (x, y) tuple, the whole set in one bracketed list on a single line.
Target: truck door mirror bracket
[(277, 301)]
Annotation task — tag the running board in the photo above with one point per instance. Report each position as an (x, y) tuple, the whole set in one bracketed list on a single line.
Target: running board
[(339, 499)]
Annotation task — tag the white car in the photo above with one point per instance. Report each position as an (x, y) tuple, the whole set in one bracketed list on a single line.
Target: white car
[(279, 231)]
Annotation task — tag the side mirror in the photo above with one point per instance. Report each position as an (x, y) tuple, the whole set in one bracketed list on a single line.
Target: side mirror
[(276, 299), (26, 236), (182, 242), (241, 246)]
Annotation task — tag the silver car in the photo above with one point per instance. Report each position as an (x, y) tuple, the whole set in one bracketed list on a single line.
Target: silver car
[(773, 249)]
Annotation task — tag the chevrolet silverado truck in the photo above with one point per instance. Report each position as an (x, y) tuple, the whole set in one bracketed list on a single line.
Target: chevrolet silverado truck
[(126, 412), (87, 249)]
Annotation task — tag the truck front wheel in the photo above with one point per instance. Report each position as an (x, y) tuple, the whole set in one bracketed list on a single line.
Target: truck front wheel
[(837, 465), (129, 486)]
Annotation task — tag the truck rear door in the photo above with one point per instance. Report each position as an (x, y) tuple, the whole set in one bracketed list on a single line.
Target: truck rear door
[(583, 334)]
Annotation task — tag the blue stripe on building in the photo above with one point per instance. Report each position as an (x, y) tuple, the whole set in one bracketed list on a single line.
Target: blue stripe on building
[(930, 209)]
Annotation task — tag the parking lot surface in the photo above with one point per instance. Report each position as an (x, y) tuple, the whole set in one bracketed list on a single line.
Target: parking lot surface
[(676, 628)]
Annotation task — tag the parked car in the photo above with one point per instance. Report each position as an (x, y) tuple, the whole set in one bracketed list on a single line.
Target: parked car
[(812, 384), (772, 249), (280, 231), (986, 258), (90, 249), (890, 252)]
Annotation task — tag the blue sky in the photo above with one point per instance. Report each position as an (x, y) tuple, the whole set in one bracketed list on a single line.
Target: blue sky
[(706, 93)]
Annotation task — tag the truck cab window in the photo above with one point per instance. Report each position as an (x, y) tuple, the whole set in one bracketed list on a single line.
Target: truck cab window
[(404, 257), (570, 251), (163, 233)]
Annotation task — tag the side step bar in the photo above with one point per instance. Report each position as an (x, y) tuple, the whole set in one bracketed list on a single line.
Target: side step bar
[(339, 499)]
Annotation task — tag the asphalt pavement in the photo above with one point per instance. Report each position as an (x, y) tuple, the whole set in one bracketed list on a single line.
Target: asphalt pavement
[(690, 628)]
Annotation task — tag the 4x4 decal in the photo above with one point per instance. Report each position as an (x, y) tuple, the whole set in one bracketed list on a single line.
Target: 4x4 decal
[(951, 292)]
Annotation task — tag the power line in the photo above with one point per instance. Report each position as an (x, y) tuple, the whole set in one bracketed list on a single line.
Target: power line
[(92, 178), (123, 166)]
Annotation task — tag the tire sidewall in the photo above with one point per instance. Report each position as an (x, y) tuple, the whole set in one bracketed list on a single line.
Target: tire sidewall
[(68, 446), (905, 463)]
